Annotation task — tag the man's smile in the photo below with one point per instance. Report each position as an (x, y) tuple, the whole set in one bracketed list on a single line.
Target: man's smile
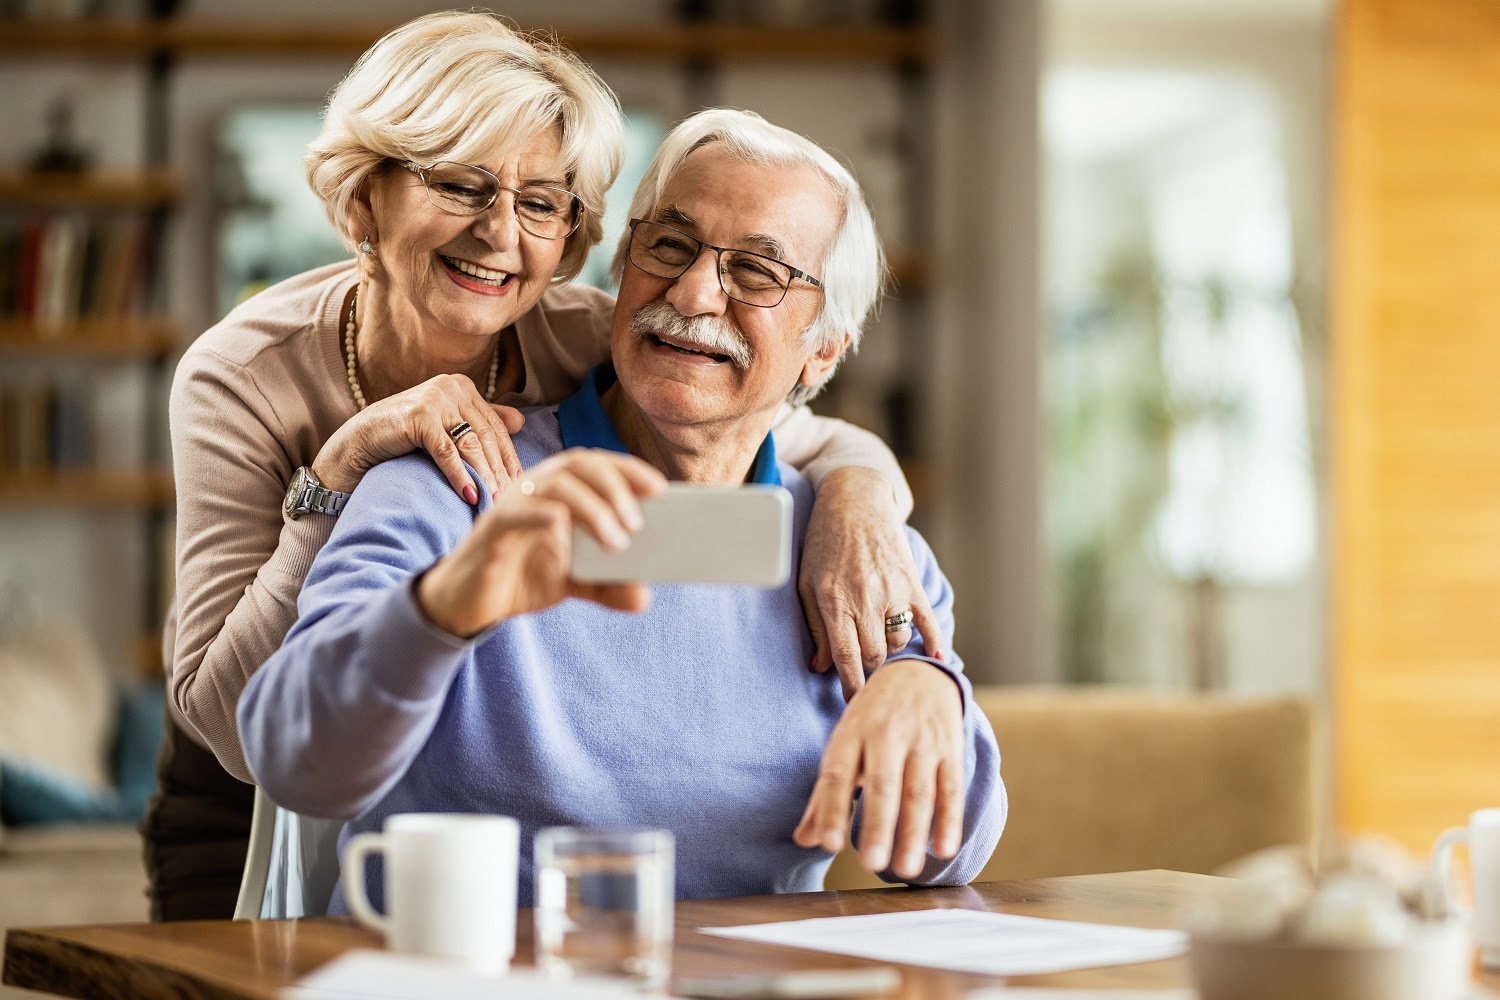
[(686, 348)]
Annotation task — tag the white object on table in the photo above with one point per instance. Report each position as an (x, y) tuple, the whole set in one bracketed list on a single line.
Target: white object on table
[(811, 984), (1062, 993), (1482, 836), (450, 886), (990, 944), (382, 975)]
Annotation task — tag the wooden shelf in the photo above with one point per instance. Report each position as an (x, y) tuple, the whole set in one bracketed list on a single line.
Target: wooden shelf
[(90, 188), (910, 270), (106, 339), (920, 475), (91, 38), (312, 39), (147, 656), (87, 488), (731, 43)]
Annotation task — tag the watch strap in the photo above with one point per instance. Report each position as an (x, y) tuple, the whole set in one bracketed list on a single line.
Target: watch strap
[(323, 501), (308, 496)]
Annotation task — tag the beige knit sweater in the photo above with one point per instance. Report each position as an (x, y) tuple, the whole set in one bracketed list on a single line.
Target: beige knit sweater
[(255, 398)]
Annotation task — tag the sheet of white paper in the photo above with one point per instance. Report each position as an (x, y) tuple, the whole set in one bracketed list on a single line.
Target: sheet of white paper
[(1063, 993), (991, 944), (1060, 993), (383, 975)]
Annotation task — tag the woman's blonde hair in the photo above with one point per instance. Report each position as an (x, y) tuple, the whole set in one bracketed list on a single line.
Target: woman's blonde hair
[(459, 86)]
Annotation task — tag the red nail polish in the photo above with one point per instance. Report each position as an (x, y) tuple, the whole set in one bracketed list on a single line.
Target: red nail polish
[(813, 663), (937, 654), (471, 495)]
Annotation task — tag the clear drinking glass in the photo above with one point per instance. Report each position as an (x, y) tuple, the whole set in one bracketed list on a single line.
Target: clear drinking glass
[(604, 903)]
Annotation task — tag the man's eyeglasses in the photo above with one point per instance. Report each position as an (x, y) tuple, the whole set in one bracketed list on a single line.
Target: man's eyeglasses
[(461, 189), (751, 278)]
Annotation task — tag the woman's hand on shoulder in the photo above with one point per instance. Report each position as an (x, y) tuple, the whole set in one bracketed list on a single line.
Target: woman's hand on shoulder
[(518, 558), (422, 417), (857, 571)]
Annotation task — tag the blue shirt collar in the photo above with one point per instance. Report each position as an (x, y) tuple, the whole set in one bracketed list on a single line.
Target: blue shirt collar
[(584, 424)]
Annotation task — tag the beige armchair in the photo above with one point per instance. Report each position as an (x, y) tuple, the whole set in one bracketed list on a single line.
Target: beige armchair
[(1107, 780)]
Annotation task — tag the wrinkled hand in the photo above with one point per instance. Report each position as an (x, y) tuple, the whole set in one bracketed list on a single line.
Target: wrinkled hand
[(421, 417), (901, 742), (857, 571), (517, 558)]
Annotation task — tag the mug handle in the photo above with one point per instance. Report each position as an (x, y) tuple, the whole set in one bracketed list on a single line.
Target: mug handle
[(361, 846), (1442, 865)]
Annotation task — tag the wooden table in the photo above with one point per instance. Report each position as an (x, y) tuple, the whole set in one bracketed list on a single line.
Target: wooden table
[(251, 959)]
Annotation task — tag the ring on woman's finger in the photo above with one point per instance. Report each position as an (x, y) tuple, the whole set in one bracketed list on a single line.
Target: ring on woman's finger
[(898, 623), (459, 430)]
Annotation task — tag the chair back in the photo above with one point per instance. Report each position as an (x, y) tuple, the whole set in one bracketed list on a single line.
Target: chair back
[(292, 865), (1105, 780)]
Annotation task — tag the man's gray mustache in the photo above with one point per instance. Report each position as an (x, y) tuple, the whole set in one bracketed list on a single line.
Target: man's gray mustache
[(708, 333)]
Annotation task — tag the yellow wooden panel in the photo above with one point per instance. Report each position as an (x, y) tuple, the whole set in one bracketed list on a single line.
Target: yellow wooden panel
[(1416, 413)]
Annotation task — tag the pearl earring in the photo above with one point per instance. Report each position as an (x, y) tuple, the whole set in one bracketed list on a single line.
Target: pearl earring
[(364, 246)]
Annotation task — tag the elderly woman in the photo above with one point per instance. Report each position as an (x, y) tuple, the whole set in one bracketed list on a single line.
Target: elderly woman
[(468, 164)]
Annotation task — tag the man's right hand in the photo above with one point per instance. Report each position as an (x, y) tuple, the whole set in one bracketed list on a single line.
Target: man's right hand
[(517, 558)]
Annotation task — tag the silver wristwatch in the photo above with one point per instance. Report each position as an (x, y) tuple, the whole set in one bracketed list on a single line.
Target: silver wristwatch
[(307, 494)]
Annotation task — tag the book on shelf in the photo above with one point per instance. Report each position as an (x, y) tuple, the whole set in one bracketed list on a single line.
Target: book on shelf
[(71, 424), (30, 445), (58, 268), (59, 278), (8, 432)]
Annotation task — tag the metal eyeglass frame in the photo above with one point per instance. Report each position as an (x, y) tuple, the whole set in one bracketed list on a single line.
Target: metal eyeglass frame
[(719, 263), (422, 172)]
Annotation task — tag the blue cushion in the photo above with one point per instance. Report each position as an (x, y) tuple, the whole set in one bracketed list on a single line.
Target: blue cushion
[(30, 793)]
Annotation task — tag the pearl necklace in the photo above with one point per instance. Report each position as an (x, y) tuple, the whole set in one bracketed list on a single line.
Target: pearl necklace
[(358, 394)]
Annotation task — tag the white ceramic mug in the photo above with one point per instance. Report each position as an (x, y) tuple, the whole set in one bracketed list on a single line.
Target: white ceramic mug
[(450, 886), (1482, 836)]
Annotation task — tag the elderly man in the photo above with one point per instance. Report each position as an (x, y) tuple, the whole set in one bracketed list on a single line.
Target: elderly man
[(437, 666)]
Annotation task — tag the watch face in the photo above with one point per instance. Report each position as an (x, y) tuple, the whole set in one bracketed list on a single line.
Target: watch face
[(294, 492)]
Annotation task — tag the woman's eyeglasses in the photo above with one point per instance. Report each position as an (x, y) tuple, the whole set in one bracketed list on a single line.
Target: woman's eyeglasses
[(462, 189)]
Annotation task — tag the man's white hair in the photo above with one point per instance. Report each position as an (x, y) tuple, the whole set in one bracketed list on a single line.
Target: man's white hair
[(853, 271)]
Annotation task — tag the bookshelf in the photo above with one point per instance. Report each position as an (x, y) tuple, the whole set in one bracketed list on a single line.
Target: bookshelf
[(84, 354), (77, 256)]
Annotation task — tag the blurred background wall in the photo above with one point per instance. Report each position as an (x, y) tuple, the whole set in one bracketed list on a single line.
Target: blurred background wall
[(1106, 366)]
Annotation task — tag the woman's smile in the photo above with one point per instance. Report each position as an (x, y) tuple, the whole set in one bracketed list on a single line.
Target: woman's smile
[(476, 278)]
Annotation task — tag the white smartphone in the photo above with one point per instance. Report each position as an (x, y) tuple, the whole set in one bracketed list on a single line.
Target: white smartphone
[(698, 534)]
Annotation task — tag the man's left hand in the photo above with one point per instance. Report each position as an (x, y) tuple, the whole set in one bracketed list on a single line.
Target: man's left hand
[(901, 742)]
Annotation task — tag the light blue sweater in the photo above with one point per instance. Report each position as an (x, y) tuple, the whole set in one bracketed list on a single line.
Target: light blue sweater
[(699, 716)]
